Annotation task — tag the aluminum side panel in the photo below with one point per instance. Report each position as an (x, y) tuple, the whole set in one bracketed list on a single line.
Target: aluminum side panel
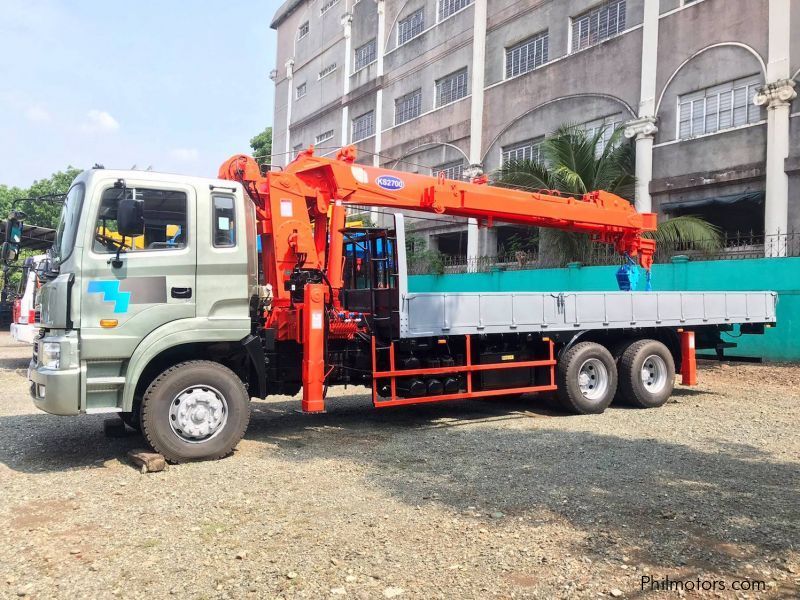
[(471, 313)]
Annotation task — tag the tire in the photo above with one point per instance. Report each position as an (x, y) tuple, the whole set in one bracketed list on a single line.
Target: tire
[(195, 410), (646, 374), (593, 366)]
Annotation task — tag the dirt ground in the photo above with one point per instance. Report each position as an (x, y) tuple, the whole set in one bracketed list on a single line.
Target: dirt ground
[(459, 500)]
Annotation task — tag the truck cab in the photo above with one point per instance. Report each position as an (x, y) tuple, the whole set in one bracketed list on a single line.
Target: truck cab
[(116, 310)]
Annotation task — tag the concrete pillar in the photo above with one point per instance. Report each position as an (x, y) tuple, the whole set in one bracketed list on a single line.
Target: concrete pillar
[(776, 95), (475, 167), (644, 130), (644, 127), (472, 245), (376, 159), (289, 97), (487, 241), (478, 82), (347, 25)]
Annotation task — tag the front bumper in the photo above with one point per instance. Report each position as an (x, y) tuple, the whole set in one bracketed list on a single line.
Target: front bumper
[(56, 391)]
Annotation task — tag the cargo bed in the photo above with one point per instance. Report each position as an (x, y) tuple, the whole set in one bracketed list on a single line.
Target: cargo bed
[(430, 314)]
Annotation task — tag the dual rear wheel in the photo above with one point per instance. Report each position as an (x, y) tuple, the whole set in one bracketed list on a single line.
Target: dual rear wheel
[(589, 377)]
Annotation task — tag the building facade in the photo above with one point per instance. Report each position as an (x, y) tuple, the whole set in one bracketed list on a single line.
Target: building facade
[(706, 89)]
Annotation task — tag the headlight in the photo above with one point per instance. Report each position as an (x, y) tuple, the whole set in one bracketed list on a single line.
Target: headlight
[(51, 355)]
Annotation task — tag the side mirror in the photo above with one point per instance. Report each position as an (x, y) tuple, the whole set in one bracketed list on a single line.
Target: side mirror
[(10, 249), (10, 252), (130, 217)]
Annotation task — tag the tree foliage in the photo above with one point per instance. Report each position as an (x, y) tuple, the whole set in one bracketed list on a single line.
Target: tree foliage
[(573, 166), (262, 147), (38, 211)]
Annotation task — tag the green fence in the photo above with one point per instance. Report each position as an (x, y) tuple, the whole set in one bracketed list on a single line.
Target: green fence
[(777, 274)]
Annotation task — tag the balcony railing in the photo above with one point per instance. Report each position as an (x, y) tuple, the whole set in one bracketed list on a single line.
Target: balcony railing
[(730, 247)]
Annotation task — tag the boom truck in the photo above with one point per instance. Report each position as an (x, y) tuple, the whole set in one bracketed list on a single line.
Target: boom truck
[(174, 300)]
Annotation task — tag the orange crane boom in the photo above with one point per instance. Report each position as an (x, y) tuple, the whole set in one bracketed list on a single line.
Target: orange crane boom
[(290, 201)]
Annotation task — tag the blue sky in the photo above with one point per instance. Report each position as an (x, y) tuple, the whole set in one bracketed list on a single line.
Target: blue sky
[(176, 85)]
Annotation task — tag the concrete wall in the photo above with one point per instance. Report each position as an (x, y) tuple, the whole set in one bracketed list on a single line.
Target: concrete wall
[(424, 76), (588, 73), (793, 171), (543, 119), (721, 151), (705, 23), (700, 44), (777, 274), (712, 67)]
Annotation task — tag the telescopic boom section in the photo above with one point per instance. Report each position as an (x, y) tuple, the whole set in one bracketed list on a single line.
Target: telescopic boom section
[(290, 201)]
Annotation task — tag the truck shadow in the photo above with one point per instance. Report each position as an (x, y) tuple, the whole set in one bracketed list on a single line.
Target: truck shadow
[(14, 364), (660, 503)]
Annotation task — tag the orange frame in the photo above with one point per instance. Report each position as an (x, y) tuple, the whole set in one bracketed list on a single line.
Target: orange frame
[(468, 368)]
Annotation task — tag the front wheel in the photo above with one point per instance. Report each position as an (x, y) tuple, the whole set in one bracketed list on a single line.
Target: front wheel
[(195, 410)]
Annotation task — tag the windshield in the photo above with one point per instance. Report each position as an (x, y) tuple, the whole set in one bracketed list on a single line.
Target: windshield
[(68, 223)]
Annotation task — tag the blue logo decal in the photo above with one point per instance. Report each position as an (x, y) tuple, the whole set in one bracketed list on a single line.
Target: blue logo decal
[(390, 182), (111, 293)]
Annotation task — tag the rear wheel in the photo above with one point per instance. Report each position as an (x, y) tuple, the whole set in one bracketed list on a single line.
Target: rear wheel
[(646, 374), (195, 410), (587, 378)]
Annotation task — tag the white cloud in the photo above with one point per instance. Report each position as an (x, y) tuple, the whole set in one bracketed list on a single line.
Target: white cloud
[(100, 120), (185, 154), (37, 114)]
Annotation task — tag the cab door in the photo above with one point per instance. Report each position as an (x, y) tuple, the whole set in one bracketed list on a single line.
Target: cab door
[(155, 282)]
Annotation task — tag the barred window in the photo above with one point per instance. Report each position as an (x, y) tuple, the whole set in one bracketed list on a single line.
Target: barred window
[(324, 136), (451, 88), (326, 6), (608, 125), (302, 31), (363, 126), (526, 150), (327, 70), (449, 7), (598, 24), (527, 55), (300, 90), (410, 27), (408, 107), (366, 54), (451, 170), (720, 107)]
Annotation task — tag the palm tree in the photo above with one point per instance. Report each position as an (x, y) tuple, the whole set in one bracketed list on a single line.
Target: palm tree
[(572, 165)]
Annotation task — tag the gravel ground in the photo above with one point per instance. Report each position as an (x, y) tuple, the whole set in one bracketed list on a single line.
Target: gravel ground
[(459, 500)]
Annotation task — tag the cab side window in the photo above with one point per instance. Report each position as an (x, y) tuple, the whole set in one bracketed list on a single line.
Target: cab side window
[(165, 221), (224, 219)]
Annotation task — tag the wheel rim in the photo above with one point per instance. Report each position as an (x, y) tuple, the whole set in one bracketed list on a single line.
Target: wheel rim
[(198, 414), (593, 379), (654, 373)]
